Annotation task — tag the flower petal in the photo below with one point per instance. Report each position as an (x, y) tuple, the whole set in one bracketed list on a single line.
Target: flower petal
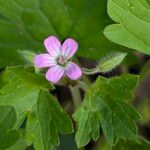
[(44, 60), (55, 73), (52, 45), (73, 71), (69, 47)]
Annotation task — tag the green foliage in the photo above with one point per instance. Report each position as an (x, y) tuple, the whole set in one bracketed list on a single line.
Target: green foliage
[(1, 82), (105, 104), (28, 57), (23, 90), (25, 24), (7, 118), (8, 139), (19, 145), (139, 144), (7, 121), (133, 28), (88, 126), (49, 119), (130, 60), (25, 98)]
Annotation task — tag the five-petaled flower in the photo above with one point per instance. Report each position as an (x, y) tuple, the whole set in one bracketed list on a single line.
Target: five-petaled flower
[(58, 59)]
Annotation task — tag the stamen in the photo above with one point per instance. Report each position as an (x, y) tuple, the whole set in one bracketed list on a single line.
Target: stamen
[(61, 60)]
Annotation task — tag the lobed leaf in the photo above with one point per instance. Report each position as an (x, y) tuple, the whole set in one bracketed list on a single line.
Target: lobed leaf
[(133, 24), (28, 94), (21, 90), (105, 105), (46, 120)]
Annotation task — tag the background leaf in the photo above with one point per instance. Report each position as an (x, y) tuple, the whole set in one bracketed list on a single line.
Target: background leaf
[(28, 57), (8, 139), (7, 118), (7, 121), (19, 145), (138, 144), (133, 28), (30, 22)]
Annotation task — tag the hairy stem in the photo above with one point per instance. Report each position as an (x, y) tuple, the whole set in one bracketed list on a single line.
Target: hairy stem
[(90, 71), (75, 92)]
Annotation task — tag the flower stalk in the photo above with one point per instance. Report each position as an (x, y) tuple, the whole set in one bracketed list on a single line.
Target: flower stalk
[(106, 64)]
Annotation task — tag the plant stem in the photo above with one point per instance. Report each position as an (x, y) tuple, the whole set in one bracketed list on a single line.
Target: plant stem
[(91, 71), (75, 92), (82, 85)]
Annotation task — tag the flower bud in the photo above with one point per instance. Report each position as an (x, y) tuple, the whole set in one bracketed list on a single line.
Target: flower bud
[(111, 61), (107, 63)]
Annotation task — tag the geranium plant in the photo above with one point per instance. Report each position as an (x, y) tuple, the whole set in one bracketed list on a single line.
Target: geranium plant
[(74, 74)]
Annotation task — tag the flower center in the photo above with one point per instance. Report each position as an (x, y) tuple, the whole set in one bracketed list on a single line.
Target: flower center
[(61, 60)]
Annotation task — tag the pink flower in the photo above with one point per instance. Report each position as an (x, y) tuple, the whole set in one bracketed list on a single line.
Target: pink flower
[(58, 59)]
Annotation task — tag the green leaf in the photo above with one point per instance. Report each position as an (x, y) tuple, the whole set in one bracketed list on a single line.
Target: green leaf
[(30, 22), (28, 57), (49, 119), (28, 94), (117, 121), (130, 60), (1, 82), (133, 28), (105, 104), (19, 145), (21, 90), (7, 118), (8, 139), (7, 121), (88, 126), (138, 144), (125, 84), (148, 1)]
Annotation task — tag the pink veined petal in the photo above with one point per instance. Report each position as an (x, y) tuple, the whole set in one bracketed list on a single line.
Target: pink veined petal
[(55, 73), (69, 47), (44, 60), (73, 71), (52, 45)]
